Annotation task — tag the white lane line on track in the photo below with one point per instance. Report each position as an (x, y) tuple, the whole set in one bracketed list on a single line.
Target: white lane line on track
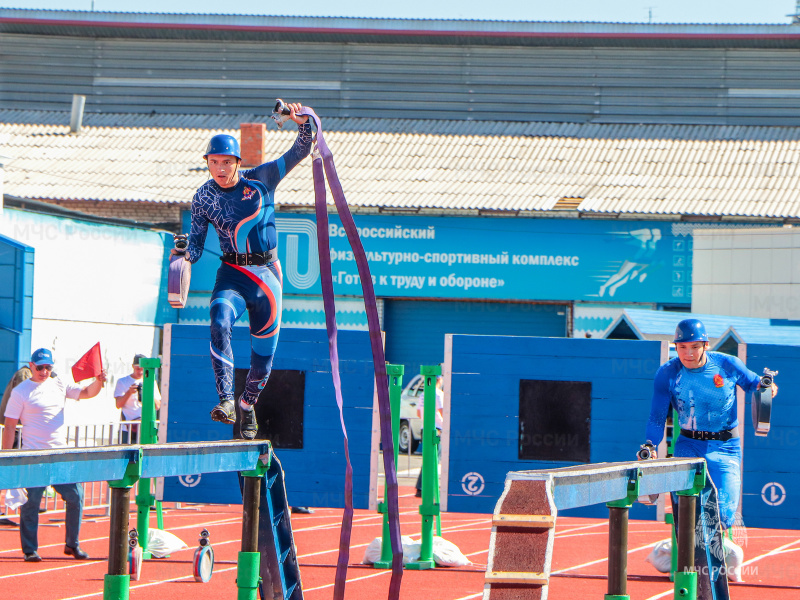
[(444, 529), (470, 597), (667, 593), (105, 538), (360, 522), (600, 560), (775, 552), (40, 571), (778, 550), (561, 533), (151, 583), (606, 533), (330, 585)]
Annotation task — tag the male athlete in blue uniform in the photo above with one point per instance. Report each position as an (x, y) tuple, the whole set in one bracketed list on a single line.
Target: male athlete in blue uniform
[(240, 206), (701, 386)]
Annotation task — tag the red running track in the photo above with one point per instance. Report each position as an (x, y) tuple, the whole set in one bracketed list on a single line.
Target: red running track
[(579, 562)]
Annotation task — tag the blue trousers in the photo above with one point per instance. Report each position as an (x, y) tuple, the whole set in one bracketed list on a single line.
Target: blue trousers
[(72, 493), (724, 460), (258, 290)]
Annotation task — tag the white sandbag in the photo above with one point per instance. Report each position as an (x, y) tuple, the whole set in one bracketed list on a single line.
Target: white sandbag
[(411, 550), (16, 498), (734, 557), (373, 552), (447, 554), (162, 543), (661, 556)]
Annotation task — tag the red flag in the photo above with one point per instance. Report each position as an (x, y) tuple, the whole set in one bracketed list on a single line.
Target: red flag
[(89, 365)]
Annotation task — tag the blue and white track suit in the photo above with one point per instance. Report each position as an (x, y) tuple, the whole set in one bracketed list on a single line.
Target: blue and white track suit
[(705, 399), (244, 217)]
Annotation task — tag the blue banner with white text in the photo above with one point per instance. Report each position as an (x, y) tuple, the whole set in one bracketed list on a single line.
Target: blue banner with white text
[(486, 258)]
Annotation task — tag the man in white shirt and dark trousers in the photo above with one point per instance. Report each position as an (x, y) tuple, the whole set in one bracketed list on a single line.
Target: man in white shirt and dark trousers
[(128, 394), (38, 404)]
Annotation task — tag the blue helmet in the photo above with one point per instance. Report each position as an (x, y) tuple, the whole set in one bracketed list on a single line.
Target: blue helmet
[(223, 144), (690, 330)]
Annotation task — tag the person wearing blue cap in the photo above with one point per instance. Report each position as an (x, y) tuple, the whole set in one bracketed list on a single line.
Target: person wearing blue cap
[(701, 386), (240, 206), (38, 404)]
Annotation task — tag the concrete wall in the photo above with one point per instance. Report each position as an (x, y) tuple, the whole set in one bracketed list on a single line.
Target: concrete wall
[(747, 272)]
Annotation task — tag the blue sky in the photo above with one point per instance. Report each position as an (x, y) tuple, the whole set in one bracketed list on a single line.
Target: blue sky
[(661, 11)]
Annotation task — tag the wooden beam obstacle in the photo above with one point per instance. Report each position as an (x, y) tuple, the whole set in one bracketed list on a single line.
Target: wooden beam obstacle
[(523, 524), (123, 466)]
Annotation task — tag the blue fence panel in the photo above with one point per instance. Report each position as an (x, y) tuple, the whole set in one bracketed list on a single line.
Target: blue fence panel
[(314, 475), (16, 305), (484, 408), (771, 475)]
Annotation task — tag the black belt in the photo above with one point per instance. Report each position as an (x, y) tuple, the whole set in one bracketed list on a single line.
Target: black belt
[(250, 259), (705, 436)]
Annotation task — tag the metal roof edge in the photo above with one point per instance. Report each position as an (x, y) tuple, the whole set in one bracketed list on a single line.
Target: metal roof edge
[(399, 26), (37, 206)]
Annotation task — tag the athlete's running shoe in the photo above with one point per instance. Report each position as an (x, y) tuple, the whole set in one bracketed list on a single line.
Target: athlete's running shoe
[(224, 412), (248, 427)]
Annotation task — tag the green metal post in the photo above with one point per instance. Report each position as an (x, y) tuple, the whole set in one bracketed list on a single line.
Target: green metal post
[(676, 429), (436, 489), (685, 586), (618, 539), (247, 575), (147, 435), (395, 373), (248, 569), (430, 446), (116, 587), (670, 518), (116, 584)]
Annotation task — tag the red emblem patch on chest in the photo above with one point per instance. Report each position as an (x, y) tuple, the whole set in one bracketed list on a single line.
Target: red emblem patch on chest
[(718, 380), (248, 193)]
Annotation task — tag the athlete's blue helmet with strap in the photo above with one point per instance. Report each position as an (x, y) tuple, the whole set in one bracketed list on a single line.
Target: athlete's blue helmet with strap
[(223, 143), (690, 330)]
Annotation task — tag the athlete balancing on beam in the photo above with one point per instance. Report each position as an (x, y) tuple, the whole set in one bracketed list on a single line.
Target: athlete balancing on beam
[(240, 206), (701, 385)]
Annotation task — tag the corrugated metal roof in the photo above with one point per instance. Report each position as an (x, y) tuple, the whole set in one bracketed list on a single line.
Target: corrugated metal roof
[(660, 325), (185, 25), (453, 165)]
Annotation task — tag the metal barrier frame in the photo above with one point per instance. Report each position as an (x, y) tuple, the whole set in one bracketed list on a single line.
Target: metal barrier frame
[(123, 466), (96, 494), (525, 516)]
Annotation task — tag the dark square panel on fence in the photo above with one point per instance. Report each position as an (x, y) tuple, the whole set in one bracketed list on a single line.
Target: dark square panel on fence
[(279, 410), (555, 420)]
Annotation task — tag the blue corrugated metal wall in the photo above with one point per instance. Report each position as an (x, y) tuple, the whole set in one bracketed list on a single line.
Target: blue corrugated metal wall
[(315, 474), (484, 404), (415, 330), (771, 478), (16, 305)]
